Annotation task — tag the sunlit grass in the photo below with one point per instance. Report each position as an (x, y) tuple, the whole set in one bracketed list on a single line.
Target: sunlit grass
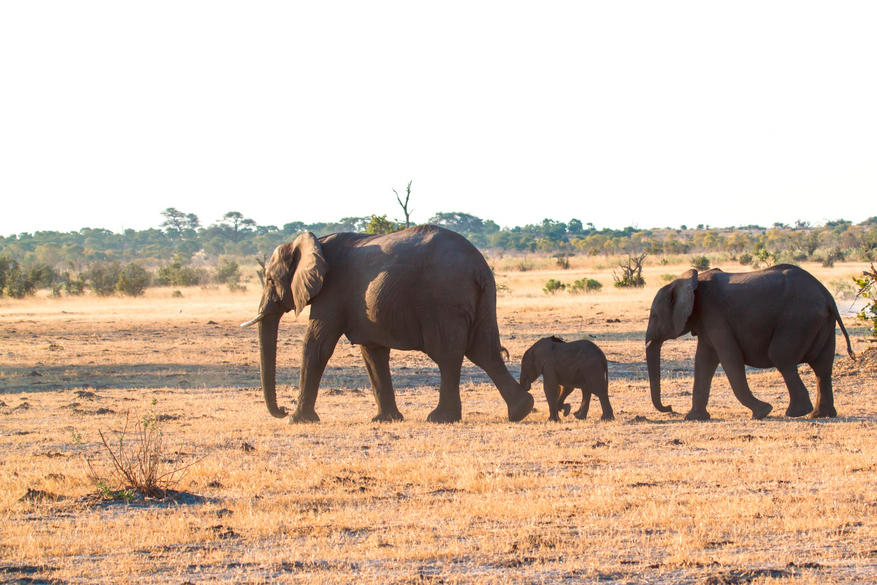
[(647, 498)]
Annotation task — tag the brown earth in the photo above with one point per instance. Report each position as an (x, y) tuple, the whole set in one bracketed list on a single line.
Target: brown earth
[(648, 498)]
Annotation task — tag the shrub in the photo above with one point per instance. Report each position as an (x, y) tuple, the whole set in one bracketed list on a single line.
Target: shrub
[(700, 263), (745, 259), (140, 465), (20, 282), (5, 264), (228, 272), (833, 256), (631, 273), (553, 286), (176, 274), (562, 261), (103, 277), (868, 289), (586, 284), (74, 286), (133, 280), (841, 289), (667, 277)]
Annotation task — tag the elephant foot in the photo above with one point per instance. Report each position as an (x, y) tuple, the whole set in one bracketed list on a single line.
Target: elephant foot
[(520, 408), (580, 414), (697, 415), (761, 411), (824, 412), (565, 408), (609, 416), (444, 416), (799, 409), (301, 416), (554, 418), (387, 416)]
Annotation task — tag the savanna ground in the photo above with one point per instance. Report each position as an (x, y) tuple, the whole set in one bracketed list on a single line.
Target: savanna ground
[(648, 498)]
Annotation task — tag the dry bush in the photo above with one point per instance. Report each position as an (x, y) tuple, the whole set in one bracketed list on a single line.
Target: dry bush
[(139, 464)]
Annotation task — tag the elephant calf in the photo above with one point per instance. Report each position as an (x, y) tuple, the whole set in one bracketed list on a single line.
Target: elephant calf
[(565, 367)]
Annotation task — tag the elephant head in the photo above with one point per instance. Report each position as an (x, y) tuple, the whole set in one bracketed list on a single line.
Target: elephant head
[(293, 277), (668, 320), (533, 362)]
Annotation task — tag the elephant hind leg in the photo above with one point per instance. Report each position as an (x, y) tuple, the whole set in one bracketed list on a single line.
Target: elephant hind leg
[(822, 367), (582, 412), (518, 401), (377, 363), (799, 398), (608, 413)]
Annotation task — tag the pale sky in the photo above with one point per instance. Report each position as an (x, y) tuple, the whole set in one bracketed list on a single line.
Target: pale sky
[(617, 113)]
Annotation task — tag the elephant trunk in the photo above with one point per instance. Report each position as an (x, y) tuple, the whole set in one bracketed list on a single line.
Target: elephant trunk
[(653, 360), (268, 327)]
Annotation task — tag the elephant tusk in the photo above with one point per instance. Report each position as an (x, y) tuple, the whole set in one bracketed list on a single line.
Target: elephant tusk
[(254, 321), (648, 343)]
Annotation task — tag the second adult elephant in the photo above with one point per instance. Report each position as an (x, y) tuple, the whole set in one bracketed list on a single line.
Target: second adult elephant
[(777, 317), (424, 288)]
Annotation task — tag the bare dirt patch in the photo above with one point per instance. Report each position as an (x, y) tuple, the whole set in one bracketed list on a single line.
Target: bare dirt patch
[(648, 498)]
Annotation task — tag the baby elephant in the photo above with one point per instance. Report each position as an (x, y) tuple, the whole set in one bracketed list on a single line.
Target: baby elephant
[(565, 367)]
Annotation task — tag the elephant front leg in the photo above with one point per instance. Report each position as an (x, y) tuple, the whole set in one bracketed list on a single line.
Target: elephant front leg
[(449, 409), (315, 355), (706, 360), (377, 363), (552, 394), (561, 402)]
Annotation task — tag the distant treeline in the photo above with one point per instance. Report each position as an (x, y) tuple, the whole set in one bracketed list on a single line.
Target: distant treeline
[(180, 235)]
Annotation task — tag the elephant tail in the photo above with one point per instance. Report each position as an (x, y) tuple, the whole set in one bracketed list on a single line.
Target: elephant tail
[(484, 336), (844, 330)]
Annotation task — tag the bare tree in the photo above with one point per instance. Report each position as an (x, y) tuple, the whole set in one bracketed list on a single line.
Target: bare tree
[(404, 206), (260, 272), (631, 273)]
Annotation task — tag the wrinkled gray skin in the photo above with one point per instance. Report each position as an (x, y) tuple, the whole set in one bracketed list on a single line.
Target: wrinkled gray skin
[(777, 317), (424, 288), (565, 367)]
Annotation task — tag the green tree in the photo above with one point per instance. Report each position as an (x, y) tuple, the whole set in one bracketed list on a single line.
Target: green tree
[(381, 225), (235, 226), (103, 277), (462, 223), (133, 280)]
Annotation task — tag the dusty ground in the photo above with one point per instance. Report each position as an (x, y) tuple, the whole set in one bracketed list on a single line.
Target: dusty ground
[(648, 498)]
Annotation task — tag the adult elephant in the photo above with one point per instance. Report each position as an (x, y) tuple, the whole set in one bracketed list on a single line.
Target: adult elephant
[(777, 317), (424, 288)]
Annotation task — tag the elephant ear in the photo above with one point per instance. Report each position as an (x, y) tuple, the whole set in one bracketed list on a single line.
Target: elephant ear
[(541, 353), (309, 270), (683, 300)]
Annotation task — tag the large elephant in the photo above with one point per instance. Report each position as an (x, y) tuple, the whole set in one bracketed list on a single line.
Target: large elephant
[(777, 317), (424, 288)]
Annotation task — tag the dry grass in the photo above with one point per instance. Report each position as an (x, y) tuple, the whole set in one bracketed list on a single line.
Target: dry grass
[(648, 498)]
